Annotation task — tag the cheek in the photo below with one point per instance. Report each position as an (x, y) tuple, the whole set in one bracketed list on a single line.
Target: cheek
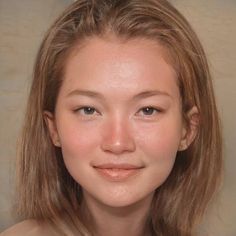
[(159, 148), (79, 145), (78, 141), (161, 141)]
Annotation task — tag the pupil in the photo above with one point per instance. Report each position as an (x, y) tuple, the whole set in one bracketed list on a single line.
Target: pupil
[(89, 110), (148, 111)]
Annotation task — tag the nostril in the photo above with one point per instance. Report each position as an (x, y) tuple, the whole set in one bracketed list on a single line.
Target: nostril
[(118, 146)]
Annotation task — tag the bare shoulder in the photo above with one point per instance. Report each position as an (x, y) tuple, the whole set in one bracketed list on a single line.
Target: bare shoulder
[(25, 228)]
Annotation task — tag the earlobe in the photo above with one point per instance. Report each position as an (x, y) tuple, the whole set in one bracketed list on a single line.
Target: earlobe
[(52, 129), (190, 132)]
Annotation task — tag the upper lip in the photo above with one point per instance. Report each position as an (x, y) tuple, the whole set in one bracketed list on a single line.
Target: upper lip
[(117, 166)]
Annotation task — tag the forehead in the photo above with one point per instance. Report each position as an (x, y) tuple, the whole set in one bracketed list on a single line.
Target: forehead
[(129, 65), (116, 49)]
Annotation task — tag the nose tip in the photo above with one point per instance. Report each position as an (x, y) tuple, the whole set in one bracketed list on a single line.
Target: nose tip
[(118, 147), (118, 139)]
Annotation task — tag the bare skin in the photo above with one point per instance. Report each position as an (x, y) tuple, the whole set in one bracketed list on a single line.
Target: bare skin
[(119, 104), (120, 221)]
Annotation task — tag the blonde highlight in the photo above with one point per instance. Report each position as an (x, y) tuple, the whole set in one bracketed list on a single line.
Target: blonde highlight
[(46, 191)]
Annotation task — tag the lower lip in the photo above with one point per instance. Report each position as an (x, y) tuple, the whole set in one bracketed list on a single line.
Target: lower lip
[(117, 174)]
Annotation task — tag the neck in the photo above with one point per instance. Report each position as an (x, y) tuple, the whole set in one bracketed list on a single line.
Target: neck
[(130, 220)]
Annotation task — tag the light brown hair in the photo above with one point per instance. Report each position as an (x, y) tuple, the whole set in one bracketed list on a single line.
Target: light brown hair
[(46, 190)]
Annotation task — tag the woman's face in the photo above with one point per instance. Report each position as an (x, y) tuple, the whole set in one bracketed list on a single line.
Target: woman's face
[(118, 119)]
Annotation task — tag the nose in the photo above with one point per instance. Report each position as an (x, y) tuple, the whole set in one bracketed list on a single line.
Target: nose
[(117, 138)]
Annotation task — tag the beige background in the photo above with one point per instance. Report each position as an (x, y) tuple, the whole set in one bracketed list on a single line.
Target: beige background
[(22, 25)]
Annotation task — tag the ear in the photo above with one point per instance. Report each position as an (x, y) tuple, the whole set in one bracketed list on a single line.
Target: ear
[(190, 129), (51, 125)]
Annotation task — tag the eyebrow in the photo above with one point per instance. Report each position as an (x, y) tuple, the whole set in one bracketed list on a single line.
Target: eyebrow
[(93, 94)]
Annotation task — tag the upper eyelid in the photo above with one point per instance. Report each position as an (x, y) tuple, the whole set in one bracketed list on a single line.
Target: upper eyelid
[(154, 108), (158, 109), (143, 107), (83, 107)]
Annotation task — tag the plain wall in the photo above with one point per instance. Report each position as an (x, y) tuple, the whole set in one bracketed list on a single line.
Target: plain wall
[(22, 25)]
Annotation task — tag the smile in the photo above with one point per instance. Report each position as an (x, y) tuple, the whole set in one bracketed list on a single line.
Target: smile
[(117, 173)]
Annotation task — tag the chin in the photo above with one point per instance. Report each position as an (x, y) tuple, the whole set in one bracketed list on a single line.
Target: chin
[(122, 200)]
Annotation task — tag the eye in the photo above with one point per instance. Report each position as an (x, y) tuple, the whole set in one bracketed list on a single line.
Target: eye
[(86, 111), (148, 111)]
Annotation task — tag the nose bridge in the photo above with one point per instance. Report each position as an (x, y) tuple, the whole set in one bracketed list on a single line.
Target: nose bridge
[(118, 136)]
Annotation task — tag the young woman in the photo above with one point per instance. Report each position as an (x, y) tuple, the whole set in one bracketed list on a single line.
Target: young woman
[(122, 134)]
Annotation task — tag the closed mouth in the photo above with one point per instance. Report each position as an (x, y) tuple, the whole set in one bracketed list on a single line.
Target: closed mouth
[(117, 172)]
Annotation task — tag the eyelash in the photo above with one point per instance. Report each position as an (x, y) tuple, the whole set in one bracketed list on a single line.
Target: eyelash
[(143, 109)]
